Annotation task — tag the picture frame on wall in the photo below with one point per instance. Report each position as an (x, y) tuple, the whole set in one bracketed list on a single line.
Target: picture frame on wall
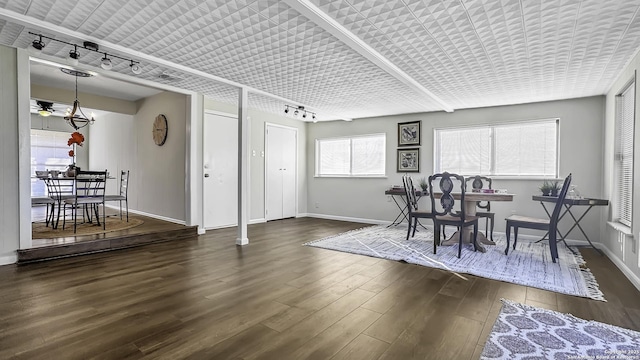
[(409, 133), (409, 160)]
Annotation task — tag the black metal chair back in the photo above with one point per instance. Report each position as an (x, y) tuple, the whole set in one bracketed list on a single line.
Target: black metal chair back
[(446, 186), (124, 183), (410, 193), (553, 220)]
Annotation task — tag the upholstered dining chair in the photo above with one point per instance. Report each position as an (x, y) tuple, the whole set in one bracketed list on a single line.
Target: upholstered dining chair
[(550, 225), (445, 210), (412, 206), (123, 195), (478, 182), (88, 194)]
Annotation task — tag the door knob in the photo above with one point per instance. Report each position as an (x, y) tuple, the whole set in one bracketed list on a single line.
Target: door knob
[(206, 175)]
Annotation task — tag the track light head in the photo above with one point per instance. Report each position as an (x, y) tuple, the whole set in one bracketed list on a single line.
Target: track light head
[(74, 55), (296, 113), (135, 68), (304, 116), (105, 63), (36, 46), (286, 110)]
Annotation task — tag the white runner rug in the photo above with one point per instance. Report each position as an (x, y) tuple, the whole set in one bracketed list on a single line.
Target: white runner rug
[(526, 332), (529, 264)]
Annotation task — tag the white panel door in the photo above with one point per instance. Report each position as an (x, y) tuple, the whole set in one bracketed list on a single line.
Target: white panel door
[(281, 168), (220, 162)]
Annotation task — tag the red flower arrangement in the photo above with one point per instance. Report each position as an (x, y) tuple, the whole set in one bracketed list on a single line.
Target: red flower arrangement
[(75, 139)]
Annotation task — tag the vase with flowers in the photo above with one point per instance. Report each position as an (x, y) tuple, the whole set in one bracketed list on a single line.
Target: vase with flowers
[(75, 140)]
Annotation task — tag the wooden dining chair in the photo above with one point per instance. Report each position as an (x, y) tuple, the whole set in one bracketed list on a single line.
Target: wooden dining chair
[(412, 206), (550, 225), (123, 195), (445, 210), (88, 194), (477, 183)]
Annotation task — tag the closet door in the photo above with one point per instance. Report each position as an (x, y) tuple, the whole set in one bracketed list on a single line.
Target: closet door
[(281, 169), (220, 168)]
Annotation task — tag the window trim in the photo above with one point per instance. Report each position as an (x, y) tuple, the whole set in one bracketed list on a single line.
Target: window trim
[(615, 214), (350, 138), (493, 159)]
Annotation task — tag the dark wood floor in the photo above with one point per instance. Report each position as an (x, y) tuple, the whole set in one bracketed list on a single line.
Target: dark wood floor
[(206, 298)]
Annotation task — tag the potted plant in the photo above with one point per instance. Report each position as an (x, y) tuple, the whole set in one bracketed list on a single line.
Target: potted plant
[(545, 188), (424, 185), (555, 187)]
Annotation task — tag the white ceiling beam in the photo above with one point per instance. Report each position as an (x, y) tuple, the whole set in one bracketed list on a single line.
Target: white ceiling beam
[(44, 26), (326, 22)]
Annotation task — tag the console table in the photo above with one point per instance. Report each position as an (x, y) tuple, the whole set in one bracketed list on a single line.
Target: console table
[(568, 204)]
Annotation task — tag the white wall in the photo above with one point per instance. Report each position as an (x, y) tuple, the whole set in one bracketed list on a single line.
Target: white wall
[(623, 250), (581, 124), (9, 162), (113, 147), (158, 174), (256, 186)]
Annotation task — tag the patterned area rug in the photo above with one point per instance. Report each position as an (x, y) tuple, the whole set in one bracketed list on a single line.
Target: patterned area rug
[(530, 264), (526, 332)]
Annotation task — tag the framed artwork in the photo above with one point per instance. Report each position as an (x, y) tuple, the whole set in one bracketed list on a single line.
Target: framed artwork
[(409, 133), (409, 160)]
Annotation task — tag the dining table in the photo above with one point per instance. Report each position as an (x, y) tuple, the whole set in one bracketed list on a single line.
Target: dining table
[(470, 202), (60, 188)]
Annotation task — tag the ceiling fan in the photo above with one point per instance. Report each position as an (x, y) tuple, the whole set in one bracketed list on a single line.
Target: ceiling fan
[(44, 108)]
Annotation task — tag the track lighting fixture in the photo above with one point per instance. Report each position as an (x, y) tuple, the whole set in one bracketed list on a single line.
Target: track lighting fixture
[(36, 46), (135, 68), (300, 109), (74, 55), (106, 63)]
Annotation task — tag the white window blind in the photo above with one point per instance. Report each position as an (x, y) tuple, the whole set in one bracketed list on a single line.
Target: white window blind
[(353, 156), (625, 114), (522, 149)]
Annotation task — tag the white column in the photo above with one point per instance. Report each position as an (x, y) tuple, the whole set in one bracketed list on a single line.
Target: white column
[(194, 186), (24, 141), (243, 167)]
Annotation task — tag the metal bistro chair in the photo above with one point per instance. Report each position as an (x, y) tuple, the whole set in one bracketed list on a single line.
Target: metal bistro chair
[(412, 206), (550, 225), (445, 213), (59, 190), (478, 183), (124, 191), (89, 194)]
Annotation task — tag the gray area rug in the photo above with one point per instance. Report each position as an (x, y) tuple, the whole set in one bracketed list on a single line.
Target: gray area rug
[(530, 264), (526, 332)]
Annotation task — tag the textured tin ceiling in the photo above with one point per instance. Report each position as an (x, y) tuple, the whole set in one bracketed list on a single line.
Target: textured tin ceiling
[(466, 53)]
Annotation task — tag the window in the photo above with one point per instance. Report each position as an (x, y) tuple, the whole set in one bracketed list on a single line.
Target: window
[(527, 149), (625, 104), (49, 151), (357, 156)]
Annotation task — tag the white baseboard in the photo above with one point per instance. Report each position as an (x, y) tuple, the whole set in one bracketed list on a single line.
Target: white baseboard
[(344, 218), (7, 260), (257, 221), (159, 217)]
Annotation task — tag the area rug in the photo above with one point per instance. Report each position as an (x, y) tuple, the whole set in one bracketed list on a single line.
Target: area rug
[(530, 264), (40, 231), (526, 332)]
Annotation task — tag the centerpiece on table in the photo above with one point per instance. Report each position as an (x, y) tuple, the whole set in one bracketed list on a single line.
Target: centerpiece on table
[(76, 139)]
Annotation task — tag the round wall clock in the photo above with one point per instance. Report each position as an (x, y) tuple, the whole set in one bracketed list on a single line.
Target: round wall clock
[(160, 130)]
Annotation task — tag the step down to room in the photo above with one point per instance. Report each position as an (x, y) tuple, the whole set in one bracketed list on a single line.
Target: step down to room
[(122, 241)]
